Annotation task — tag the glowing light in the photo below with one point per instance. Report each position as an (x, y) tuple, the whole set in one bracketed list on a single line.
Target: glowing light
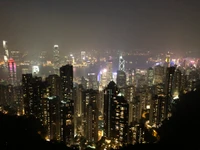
[(104, 70), (35, 69), (5, 44), (148, 107)]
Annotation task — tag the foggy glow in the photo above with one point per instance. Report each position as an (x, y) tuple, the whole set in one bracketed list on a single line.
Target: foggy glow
[(35, 69), (104, 70)]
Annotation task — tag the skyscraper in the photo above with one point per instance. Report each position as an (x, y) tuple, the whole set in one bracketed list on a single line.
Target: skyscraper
[(12, 72), (91, 131), (121, 78), (121, 63), (115, 114), (67, 115), (6, 54), (56, 59)]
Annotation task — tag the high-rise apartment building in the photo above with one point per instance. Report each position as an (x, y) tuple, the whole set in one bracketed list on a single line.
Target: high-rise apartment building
[(56, 59), (91, 128), (67, 108), (115, 114)]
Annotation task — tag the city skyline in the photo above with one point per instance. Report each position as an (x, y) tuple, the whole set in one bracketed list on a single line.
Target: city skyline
[(156, 25), (99, 74)]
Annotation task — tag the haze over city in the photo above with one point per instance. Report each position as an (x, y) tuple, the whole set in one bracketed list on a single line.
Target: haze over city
[(156, 25), (104, 75)]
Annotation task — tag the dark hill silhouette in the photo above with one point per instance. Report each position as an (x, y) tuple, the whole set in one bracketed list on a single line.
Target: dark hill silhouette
[(182, 130), (23, 133)]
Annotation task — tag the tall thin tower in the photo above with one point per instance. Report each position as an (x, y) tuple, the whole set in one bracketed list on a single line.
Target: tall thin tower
[(121, 63), (6, 54), (12, 72), (56, 59), (167, 60)]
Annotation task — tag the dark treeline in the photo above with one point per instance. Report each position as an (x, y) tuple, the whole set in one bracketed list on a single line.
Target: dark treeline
[(23, 133), (182, 130)]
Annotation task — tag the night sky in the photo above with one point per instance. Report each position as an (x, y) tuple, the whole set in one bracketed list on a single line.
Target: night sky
[(36, 25)]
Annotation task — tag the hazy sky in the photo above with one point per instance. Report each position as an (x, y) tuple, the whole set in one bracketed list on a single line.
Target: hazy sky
[(37, 25)]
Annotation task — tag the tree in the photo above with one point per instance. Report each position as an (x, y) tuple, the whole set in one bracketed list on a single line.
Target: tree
[(183, 127), (22, 133)]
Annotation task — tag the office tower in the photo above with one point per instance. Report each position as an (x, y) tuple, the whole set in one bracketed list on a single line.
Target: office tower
[(109, 68), (121, 79), (16, 55), (56, 59), (12, 72), (91, 130), (167, 60), (121, 63), (6, 52), (106, 75), (92, 81), (158, 74), (66, 74), (115, 114), (150, 76), (103, 79)]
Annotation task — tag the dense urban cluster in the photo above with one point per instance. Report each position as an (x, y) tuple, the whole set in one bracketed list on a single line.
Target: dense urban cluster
[(104, 109)]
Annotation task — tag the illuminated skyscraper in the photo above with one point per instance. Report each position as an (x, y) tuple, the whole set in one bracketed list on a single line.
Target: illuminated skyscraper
[(67, 108), (56, 59), (106, 75), (150, 76), (168, 89), (12, 72), (91, 130), (109, 67), (6, 54), (121, 63), (115, 114), (93, 83), (78, 110), (158, 75), (167, 60), (121, 78), (33, 91), (51, 117)]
